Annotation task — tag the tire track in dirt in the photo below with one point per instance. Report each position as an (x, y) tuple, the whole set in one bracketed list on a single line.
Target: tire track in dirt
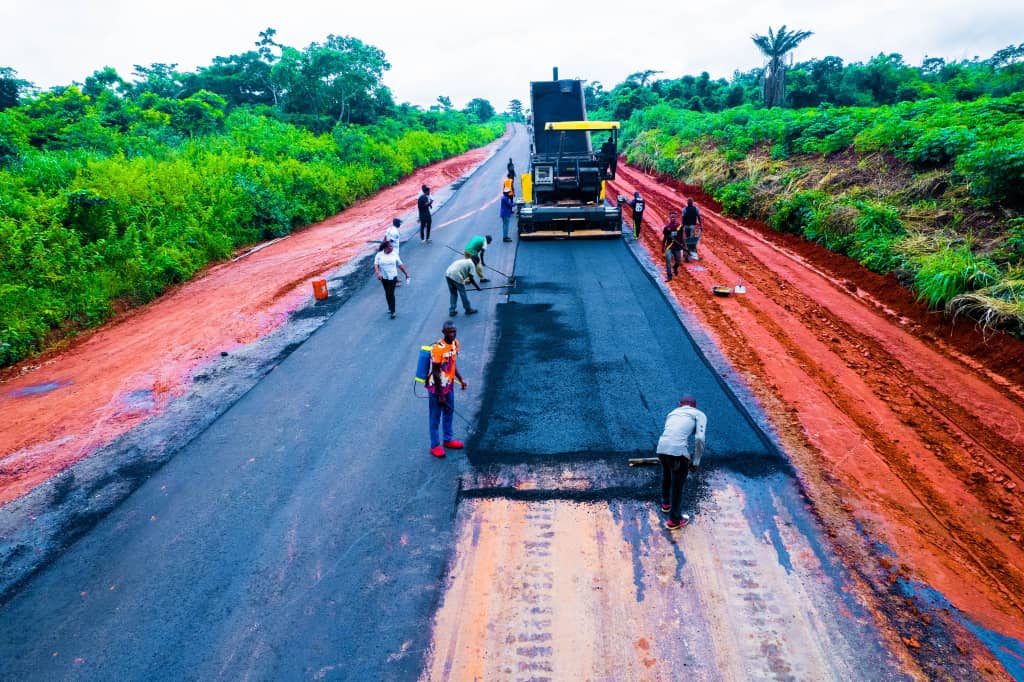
[(940, 454), (556, 589)]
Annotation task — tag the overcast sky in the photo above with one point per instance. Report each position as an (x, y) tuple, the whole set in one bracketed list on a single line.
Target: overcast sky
[(481, 48)]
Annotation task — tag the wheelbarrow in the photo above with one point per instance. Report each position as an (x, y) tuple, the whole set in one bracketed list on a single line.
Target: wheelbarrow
[(691, 243)]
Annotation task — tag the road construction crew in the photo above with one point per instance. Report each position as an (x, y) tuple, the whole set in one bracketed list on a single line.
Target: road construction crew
[(475, 252), (440, 382), (423, 205), (508, 186), (609, 157), (672, 244), (637, 204), (676, 460), (457, 276), (394, 235), (386, 265), (505, 210)]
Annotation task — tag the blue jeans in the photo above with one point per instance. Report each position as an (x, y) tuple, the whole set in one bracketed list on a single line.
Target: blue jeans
[(456, 289), (504, 226), (671, 255), (443, 414)]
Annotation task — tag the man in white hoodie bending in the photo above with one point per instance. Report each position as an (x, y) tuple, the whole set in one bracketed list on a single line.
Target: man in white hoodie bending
[(676, 460)]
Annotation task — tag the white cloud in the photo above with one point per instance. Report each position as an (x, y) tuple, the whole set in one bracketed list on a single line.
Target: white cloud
[(468, 48)]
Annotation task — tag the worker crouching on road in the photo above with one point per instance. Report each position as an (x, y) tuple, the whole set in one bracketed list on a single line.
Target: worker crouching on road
[(458, 275), (475, 252), (440, 382), (676, 460)]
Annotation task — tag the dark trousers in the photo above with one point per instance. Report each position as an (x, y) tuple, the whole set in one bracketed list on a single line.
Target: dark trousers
[(673, 476), (389, 292), (425, 228), (638, 219)]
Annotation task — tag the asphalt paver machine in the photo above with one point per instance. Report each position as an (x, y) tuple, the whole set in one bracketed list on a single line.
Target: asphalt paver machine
[(564, 192)]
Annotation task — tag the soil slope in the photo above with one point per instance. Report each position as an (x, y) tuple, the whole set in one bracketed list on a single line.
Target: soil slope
[(913, 426)]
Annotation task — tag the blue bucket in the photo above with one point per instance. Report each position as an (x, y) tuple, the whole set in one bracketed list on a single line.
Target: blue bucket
[(423, 364)]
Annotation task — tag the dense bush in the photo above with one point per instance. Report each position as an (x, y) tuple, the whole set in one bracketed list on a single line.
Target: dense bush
[(881, 81), (105, 203), (800, 172)]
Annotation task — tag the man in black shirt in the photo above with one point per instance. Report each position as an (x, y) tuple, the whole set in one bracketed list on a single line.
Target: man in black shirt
[(423, 204), (691, 218), (637, 204), (672, 245)]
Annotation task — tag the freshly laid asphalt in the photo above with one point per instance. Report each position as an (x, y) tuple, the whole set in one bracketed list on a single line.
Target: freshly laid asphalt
[(306, 533)]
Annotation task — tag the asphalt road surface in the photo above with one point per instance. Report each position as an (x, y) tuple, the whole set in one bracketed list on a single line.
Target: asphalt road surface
[(309, 534)]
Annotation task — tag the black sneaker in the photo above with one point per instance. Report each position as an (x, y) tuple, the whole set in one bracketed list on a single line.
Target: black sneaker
[(392, 316), (484, 279), (453, 313), (471, 311), (506, 239)]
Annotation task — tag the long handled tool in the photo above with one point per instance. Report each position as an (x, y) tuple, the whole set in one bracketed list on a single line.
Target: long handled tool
[(511, 278)]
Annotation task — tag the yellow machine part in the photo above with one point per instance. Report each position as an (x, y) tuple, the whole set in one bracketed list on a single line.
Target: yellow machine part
[(527, 182), (601, 195), (583, 125)]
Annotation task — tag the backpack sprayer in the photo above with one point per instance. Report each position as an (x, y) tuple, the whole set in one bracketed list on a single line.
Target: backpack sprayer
[(423, 363)]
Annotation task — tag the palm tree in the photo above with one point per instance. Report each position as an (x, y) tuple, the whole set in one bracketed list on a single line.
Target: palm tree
[(774, 47)]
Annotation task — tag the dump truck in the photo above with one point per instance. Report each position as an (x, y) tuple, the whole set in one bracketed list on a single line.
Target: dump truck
[(564, 191)]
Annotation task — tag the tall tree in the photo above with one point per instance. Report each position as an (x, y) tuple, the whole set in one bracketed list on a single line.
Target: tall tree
[(480, 108), (11, 87), (641, 77), (775, 46), (515, 109)]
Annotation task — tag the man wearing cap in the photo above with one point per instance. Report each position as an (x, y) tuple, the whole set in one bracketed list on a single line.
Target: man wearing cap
[(676, 460), (475, 252), (440, 384), (637, 204)]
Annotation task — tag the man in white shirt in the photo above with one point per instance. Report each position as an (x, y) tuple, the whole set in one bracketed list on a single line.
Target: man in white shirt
[(458, 275), (676, 460), (394, 235), (386, 265)]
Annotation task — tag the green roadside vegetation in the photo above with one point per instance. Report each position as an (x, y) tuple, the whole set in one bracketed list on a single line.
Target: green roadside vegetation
[(917, 171), (112, 190)]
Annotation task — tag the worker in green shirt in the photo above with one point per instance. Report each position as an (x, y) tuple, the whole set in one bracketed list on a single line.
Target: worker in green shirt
[(475, 252)]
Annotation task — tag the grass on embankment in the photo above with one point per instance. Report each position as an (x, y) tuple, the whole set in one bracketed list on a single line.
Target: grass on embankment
[(931, 191)]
